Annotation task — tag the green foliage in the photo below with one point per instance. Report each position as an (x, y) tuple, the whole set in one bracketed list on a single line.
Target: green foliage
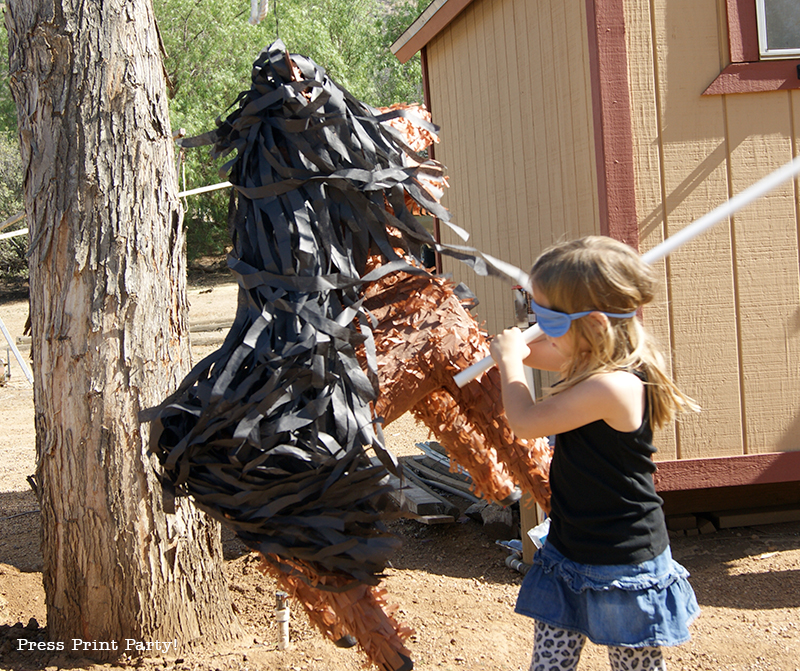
[(13, 261), (210, 48), (401, 82), (8, 110)]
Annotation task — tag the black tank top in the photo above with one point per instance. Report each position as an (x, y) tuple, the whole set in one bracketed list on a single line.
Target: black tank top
[(605, 509)]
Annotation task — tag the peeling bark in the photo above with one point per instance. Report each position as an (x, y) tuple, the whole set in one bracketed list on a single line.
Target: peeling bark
[(108, 314)]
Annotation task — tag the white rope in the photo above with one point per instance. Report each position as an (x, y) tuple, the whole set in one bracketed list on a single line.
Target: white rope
[(13, 234), (12, 220), (182, 194), (24, 231)]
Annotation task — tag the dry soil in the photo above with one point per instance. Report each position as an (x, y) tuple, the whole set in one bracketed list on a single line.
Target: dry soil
[(449, 581)]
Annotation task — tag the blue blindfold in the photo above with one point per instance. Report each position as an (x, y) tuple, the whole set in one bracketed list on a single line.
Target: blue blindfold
[(556, 324)]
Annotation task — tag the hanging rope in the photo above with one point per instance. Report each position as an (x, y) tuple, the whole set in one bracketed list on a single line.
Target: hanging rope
[(258, 10)]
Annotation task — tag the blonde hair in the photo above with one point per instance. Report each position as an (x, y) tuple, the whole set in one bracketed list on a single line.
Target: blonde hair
[(600, 273)]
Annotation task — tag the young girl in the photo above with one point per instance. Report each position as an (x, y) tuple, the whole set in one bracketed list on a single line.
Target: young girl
[(605, 571)]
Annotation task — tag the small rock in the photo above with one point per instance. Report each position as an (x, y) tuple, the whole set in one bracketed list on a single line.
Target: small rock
[(474, 511), (59, 661), (498, 522)]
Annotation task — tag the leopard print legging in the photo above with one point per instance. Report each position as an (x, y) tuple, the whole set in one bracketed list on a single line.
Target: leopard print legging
[(560, 650)]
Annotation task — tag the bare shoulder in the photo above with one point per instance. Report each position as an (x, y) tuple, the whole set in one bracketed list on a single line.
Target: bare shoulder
[(617, 382), (623, 398)]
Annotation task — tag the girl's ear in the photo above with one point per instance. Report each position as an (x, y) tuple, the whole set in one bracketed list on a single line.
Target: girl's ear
[(599, 319)]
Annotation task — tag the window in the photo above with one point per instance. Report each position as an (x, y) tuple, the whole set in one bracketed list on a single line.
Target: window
[(764, 40), (778, 28)]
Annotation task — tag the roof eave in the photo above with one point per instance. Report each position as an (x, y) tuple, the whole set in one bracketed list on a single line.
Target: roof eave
[(428, 25)]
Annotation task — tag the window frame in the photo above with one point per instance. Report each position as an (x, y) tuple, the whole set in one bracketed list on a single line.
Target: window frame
[(763, 49), (748, 72)]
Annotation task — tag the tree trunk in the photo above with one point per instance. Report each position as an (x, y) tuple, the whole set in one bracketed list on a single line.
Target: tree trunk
[(108, 308)]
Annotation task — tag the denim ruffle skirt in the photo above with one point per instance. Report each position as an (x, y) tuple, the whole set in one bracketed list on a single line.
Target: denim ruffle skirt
[(628, 605)]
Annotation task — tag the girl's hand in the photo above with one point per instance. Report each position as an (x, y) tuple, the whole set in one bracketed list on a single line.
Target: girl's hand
[(509, 346)]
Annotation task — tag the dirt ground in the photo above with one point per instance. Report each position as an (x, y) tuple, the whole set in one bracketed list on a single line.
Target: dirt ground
[(450, 581)]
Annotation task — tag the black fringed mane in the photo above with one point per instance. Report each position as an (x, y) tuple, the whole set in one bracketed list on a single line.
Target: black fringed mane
[(268, 434)]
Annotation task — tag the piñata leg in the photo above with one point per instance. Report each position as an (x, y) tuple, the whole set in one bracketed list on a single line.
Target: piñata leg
[(465, 445), (337, 609), (423, 336)]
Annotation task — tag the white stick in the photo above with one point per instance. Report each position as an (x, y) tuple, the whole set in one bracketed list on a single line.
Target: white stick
[(17, 355), (282, 618), (480, 367), (740, 200), (204, 189), (701, 225)]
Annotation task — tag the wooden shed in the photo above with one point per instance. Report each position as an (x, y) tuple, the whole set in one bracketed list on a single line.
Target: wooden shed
[(633, 118)]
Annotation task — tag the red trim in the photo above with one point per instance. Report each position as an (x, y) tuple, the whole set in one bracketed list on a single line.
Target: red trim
[(426, 85), (756, 77), (742, 31), (714, 472), (731, 498), (746, 73), (608, 61)]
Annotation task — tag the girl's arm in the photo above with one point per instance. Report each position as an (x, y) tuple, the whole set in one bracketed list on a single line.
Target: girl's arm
[(616, 397)]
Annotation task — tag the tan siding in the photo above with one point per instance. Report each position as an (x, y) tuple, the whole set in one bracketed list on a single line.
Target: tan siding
[(790, 440), (487, 110), (569, 26), (450, 83), (647, 169), (553, 155), (519, 99), (510, 87), (732, 294), (509, 157), (554, 62), (701, 285), (527, 170), (585, 167), (537, 141), (517, 60), (766, 269)]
